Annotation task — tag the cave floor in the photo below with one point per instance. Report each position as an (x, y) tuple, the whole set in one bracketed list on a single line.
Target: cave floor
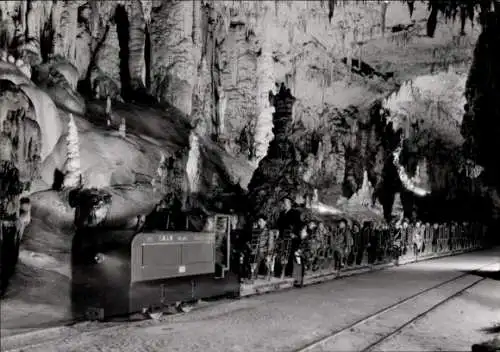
[(290, 320)]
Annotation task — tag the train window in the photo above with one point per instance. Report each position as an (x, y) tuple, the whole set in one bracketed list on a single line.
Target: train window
[(161, 255)]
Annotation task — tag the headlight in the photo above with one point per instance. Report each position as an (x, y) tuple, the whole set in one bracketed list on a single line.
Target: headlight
[(99, 258)]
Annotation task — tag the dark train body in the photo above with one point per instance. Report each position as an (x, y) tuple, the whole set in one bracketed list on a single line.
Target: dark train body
[(10, 241), (116, 273)]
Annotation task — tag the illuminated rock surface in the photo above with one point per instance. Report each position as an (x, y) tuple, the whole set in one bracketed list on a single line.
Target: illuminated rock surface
[(191, 80)]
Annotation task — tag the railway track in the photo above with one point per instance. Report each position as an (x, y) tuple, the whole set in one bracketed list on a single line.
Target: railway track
[(79, 327), (369, 332), (366, 333)]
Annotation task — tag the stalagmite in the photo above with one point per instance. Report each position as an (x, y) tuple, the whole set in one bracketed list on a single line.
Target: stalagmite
[(108, 111), (315, 198), (364, 195), (108, 105), (24, 68), (97, 92), (122, 130), (72, 167), (157, 181), (221, 109), (192, 165)]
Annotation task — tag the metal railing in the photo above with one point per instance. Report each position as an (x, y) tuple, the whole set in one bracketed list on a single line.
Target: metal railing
[(335, 249)]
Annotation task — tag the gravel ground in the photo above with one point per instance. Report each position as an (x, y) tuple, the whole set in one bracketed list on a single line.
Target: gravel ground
[(287, 320), (454, 326)]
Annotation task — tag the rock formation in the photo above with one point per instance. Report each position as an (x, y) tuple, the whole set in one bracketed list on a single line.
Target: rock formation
[(480, 125), (72, 167), (216, 61), (161, 173), (92, 206), (193, 79), (193, 163), (20, 147), (279, 173)]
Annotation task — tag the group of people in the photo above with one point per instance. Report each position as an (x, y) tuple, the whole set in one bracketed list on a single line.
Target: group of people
[(415, 237), (315, 243)]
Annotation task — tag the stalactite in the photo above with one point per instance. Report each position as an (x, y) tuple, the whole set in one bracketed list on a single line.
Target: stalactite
[(221, 109), (93, 19), (23, 16), (265, 84), (355, 35), (66, 30), (196, 35), (432, 20), (360, 55), (463, 18), (234, 73), (383, 13), (331, 9), (147, 6), (411, 7), (323, 88), (136, 44)]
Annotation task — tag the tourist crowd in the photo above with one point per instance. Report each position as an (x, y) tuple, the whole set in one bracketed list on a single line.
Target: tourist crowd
[(313, 243)]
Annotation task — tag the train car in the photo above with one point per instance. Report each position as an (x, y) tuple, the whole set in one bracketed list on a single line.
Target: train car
[(10, 240), (117, 273)]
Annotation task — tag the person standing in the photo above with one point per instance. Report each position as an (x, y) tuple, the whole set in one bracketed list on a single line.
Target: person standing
[(288, 226), (357, 248), (288, 221), (340, 245), (418, 238), (259, 245), (435, 235), (365, 245), (348, 241)]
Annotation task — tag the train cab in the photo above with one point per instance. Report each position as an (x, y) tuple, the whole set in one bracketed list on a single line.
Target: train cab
[(117, 273)]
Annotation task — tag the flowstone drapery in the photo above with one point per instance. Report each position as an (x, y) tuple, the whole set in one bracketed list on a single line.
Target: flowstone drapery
[(72, 167)]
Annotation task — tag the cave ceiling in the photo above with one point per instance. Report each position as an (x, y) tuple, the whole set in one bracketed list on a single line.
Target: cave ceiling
[(173, 70)]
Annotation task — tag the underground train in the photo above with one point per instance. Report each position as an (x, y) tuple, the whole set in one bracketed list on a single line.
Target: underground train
[(118, 273)]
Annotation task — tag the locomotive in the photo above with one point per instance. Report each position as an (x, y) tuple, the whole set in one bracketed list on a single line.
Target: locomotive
[(118, 273)]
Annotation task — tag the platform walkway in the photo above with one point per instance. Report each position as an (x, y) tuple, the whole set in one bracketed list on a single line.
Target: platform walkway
[(294, 319)]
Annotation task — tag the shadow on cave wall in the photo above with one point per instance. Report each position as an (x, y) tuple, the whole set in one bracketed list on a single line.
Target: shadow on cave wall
[(123, 28)]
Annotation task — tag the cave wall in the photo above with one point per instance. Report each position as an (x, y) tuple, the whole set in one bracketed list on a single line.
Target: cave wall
[(480, 126), (246, 47), (429, 113), (216, 62), (20, 147), (20, 133)]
